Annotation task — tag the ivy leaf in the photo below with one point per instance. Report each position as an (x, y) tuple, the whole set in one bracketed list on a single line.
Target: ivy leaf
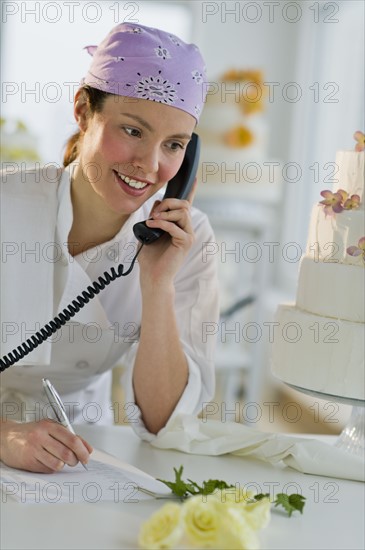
[(185, 489), (260, 496), (212, 485), (179, 487), (290, 503)]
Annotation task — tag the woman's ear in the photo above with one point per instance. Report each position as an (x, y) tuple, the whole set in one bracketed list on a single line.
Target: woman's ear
[(81, 109)]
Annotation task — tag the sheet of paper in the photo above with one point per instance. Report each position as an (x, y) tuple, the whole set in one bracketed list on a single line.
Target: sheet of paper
[(106, 479)]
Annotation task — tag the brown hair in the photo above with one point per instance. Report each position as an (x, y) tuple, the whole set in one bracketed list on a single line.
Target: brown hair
[(95, 99)]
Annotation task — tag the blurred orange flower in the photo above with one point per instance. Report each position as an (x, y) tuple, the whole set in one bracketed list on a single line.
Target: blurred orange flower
[(360, 138), (238, 137), (252, 97)]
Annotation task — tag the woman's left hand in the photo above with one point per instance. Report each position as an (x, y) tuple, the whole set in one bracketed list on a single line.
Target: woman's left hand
[(160, 261)]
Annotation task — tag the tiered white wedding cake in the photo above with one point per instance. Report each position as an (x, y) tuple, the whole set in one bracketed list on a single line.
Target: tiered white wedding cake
[(319, 344)]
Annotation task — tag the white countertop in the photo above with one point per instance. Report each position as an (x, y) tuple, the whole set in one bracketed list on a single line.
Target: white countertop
[(333, 515)]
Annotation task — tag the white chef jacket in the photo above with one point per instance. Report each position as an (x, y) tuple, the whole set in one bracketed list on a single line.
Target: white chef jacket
[(40, 278)]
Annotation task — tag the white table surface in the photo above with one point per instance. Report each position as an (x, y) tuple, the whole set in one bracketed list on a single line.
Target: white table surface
[(333, 516)]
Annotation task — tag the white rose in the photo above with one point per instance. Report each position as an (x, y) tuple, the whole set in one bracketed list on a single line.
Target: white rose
[(258, 513), (210, 523), (163, 529)]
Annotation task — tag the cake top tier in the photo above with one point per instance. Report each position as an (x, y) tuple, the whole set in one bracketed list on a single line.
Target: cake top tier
[(351, 173)]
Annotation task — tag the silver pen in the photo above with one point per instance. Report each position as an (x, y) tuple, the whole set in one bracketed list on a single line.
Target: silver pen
[(58, 407)]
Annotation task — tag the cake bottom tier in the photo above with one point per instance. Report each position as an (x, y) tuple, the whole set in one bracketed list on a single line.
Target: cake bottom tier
[(318, 353), (326, 288)]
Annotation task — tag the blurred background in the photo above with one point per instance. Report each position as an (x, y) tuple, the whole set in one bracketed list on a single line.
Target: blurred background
[(286, 91)]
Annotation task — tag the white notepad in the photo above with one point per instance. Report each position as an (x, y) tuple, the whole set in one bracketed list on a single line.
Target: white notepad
[(107, 479)]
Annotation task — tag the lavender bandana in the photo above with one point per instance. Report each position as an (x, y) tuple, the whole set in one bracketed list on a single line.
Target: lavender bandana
[(147, 63)]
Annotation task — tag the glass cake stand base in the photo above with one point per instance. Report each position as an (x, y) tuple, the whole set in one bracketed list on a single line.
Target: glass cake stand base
[(352, 437)]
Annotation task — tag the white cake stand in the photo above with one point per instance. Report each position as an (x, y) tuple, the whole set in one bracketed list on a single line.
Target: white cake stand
[(352, 437)]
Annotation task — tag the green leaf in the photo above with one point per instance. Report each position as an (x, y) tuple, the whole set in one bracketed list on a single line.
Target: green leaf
[(180, 487), (260, 496), (290, 503), (212, 485), (183, 489)]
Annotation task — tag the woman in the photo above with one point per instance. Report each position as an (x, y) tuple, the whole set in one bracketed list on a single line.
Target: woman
[(136, 111)]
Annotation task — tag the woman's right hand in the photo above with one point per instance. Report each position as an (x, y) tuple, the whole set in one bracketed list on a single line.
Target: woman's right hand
[(43, 447)]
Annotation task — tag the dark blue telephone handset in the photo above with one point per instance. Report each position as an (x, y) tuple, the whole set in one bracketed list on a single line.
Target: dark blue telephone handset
[(179, 187)]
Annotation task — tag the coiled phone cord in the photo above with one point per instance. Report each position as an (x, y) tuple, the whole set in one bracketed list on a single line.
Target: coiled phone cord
[(61, 319)]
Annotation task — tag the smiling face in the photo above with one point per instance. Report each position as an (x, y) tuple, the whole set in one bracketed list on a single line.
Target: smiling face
[(129, 150)]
